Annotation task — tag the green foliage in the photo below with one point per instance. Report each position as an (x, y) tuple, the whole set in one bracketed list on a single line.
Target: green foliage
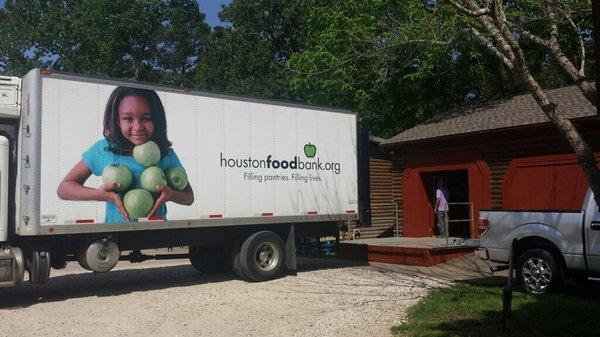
[(402, 62), (249, 56), (398, 62), (141, 39), (182, 41), (476, 310)]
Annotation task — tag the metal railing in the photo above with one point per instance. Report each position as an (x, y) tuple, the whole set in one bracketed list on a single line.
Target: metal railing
[(447, 221)]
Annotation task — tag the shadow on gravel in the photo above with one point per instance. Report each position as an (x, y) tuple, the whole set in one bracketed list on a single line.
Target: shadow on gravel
[(114, 283), (81, 284)]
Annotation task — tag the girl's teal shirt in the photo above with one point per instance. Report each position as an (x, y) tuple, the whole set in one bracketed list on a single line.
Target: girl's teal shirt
[(99, 156)]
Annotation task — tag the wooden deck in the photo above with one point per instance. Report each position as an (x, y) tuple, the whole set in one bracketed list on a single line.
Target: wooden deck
[(427, 251)]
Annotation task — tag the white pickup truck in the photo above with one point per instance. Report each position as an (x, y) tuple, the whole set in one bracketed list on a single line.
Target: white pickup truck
[(551, 246)]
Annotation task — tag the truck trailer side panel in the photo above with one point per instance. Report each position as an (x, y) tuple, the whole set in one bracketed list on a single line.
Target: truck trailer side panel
[(247, 160)]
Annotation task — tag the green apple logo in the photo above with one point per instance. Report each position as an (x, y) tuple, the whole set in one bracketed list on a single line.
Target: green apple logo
[(310, 150)]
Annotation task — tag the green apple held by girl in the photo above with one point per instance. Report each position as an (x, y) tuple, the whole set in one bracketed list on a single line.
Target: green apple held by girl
[(132, 117), (148, 154), (119, 175)]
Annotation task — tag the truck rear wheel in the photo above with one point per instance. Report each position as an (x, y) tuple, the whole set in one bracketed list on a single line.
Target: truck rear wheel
[(262, 256), (235, 257), (539, 272)]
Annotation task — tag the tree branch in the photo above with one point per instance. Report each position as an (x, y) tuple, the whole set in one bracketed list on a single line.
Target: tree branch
[(490, 46), (470, 12), (553, 24), (533, 37), (495, 31), (581, 44)]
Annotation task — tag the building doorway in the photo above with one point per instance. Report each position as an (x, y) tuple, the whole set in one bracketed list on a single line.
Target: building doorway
[(460, 209)]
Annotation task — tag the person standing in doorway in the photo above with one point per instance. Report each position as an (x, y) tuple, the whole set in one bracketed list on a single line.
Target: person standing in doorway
[(441, 207)]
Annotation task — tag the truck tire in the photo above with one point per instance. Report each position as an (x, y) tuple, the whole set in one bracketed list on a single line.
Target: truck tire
[(39, 269), (539, 272), (208, 259), (235, 258), (262, 256)]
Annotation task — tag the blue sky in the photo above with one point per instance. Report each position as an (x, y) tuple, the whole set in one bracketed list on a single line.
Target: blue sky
[(210, 7)]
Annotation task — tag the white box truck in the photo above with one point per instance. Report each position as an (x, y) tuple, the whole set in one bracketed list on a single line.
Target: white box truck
[(263, 173)]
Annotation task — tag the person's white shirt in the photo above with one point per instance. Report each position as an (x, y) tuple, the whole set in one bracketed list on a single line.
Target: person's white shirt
[(442, 202)]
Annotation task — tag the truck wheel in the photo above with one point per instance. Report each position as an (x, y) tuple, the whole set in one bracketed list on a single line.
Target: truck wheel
[(539, 272), (208, 259), (235, 258), (39, 269), (262, 256)]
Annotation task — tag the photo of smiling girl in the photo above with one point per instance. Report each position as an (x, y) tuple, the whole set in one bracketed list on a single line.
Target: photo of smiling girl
[(132, 117)]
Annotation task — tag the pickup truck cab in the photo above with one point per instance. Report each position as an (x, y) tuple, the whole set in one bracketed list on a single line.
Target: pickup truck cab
[(551, 245)]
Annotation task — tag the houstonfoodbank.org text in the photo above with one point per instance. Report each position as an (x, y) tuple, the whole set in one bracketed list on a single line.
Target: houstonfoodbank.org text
[(269, 163)]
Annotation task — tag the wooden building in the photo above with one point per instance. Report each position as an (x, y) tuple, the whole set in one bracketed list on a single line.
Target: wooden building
[(378, 217), (499, 155)]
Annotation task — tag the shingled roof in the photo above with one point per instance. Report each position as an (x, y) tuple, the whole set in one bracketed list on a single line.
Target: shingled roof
[(512, 112)]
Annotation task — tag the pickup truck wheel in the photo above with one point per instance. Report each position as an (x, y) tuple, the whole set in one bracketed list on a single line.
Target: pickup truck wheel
[(539, 272), (262, 256)]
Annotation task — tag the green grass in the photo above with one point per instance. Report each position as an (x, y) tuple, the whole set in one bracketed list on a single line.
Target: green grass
[(476, 310)]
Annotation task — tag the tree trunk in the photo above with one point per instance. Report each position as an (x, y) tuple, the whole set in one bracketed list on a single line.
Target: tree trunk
[(586, 87), (567, 130), (496, 25)]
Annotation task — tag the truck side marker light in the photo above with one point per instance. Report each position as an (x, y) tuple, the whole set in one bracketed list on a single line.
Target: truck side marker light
[(152, 218), (50, 230), (312, 212), (214, 216), (267, 214), (80, 221), (350, 211), (189, 223)]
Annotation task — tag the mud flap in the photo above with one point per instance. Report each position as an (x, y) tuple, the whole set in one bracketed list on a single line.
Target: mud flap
[(290, 252)]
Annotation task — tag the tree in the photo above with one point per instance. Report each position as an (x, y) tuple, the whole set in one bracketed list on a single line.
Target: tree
[(249, 55), (355, 47), (182, 41), (138, 32), (357, 56), (17, 52), (490, 24), (150, 40)]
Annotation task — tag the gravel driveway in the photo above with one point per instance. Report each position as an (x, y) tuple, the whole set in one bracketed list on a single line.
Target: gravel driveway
[(169, 298)]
